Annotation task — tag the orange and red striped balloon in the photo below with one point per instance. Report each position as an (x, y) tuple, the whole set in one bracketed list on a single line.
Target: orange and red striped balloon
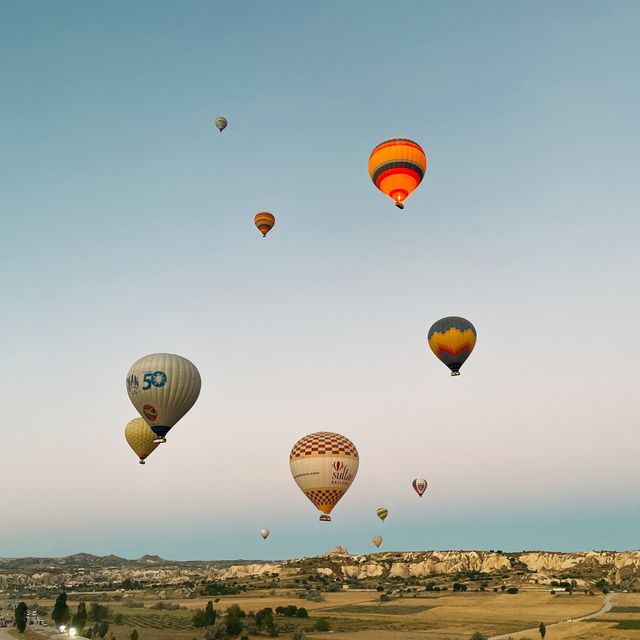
[(396, 167), (264, 221)]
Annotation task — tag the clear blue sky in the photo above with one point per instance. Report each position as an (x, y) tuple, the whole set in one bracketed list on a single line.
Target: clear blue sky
[(126, 229)]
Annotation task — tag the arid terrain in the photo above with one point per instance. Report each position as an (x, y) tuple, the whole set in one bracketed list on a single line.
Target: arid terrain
[(443, 595)]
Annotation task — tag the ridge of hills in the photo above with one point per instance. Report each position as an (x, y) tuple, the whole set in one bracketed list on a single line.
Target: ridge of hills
[(335, 570)]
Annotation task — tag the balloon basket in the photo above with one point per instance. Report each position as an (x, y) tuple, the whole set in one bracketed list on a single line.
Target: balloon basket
[(325, 518), (455, 373), (399, 205), (141, 462), (160, 440)]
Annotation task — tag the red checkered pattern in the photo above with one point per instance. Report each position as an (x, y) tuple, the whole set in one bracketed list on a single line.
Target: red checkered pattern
[(323, 443), (324, 497)]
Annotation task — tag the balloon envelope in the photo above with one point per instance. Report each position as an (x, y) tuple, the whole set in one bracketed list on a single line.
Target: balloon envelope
[(265, 222), (324, 465), (140, 438), (452, 339), (382, 513), (163, 387), (377, 540), (396, 167), (419, 486), (221, 123), (264, 533)]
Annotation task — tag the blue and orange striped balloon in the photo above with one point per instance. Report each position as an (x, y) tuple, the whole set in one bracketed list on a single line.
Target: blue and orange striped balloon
[(396, 167), (264, 221), (452, 339)]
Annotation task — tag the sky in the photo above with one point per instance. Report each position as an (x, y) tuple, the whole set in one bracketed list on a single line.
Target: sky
[(126, 228)]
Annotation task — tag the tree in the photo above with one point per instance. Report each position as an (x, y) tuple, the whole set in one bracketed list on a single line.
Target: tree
[(478, 636), (298, 634), (322, 624), (103, 627), (21, 616), (233, 618), (98, 612), (209, 614), (543, 630), (134, 635), (80, 617), (61, 614), (198, 619), (217, 632), (264, 618)]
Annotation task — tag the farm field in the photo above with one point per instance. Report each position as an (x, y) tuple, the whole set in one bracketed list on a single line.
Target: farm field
[(358, 615)]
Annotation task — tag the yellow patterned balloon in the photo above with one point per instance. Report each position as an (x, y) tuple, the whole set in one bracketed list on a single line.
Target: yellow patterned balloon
[(377, 540), (324, 465), (140, 438)]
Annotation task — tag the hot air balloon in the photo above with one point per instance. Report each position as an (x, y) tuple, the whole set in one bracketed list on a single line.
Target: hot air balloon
[(324, 465), (265, 222), (377, 540), (419, 486), (163, 387), (382, 513), (140, 438), (264, 533), (396, 167), (221, 123), (452, 340)]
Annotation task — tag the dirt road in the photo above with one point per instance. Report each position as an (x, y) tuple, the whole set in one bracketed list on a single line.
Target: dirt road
[(607, 603)]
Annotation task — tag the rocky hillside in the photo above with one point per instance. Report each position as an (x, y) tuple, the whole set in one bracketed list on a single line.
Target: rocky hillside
[(88, 572)]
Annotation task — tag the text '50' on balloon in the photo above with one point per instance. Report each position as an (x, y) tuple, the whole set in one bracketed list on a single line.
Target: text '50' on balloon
[(324, 465), (163, 387), (264, 221), (452, 340), (397, 166)]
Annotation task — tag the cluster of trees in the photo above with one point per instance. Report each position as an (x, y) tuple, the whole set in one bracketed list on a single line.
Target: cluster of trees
[(291, 611), (97, 613), (222, 589), (235, 622)]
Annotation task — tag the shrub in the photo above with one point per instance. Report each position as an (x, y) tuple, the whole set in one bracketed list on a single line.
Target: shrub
[(322, 624)]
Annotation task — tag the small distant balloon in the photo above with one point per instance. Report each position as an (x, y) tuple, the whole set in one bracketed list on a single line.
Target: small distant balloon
[(264, 533), (140, 438), (221, 123), (396, 167), (419, 486), (452, 339), (265, 221), (377, 540), (382, 513)]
